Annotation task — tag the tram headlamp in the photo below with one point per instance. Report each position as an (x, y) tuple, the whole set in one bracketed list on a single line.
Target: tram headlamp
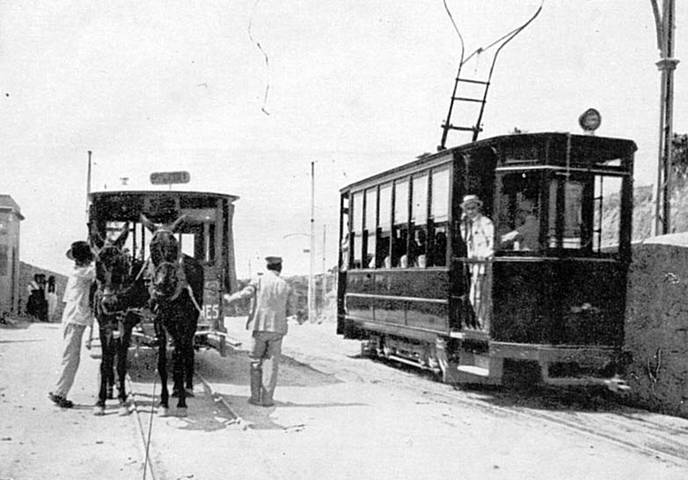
[(590, 120)]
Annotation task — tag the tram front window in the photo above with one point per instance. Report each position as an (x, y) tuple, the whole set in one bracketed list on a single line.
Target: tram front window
[(590, 216), (519, 213)]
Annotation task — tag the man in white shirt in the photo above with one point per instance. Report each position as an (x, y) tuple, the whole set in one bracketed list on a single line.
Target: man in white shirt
[(76, 317), (477, 232)]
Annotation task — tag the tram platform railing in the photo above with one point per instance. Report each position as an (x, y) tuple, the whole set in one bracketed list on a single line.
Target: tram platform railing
[(477, 308)]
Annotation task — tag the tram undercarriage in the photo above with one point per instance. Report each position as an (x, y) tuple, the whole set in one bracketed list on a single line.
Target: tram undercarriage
[(470, 361)]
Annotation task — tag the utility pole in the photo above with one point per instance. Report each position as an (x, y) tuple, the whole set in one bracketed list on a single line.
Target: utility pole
[(311, 297), (664, 22), (324, 270), (88, 183)]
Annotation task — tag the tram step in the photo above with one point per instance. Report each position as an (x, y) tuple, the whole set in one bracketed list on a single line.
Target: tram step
[(473, 370)]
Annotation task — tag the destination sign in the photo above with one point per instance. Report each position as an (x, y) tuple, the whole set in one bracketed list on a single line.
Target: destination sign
[(167, 178)]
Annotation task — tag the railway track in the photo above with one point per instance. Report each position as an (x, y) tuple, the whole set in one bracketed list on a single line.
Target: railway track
[(583, 412), (628, 428), (144, 397)]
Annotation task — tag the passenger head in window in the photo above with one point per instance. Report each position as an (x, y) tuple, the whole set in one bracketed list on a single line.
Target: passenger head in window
[(418, 247), (440, 249), (477, 230)]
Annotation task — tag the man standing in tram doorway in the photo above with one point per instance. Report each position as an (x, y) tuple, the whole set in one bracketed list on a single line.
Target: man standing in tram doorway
[(272, 302), (478, 232)]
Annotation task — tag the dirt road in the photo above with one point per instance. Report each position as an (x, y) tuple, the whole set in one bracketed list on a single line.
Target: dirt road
[(337, 416)]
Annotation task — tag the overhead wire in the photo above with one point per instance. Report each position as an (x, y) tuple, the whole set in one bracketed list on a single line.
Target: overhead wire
[(265, 55)]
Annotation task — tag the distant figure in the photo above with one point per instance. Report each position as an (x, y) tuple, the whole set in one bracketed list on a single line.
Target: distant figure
[(36, 305), (478, 232), (273, 302), (51, 298), (77, 315)]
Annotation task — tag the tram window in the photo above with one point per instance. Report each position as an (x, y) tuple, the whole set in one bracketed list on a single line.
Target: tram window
[(344, 240), (357, 229), (519, 213), (400, 228), (384, 227), (573, 215), (188, 244), (419, 220), (370, 227), (607, 211), (439, 214)]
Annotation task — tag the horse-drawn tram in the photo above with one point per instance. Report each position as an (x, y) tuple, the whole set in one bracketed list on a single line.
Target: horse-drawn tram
[(543, 291), (203, 228)]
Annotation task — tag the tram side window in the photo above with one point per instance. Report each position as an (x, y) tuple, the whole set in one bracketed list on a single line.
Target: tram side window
[(519, 213), (419, 219), (345, 237), (357, 229), (370, 227), (400, 227), (439, 216), (384, 228), (607, 213)]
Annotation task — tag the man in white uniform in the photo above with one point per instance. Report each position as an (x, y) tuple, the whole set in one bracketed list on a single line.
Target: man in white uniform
[(75, 318)]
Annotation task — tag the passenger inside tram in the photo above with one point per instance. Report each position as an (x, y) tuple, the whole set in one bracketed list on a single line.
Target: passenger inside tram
[(526, 235)]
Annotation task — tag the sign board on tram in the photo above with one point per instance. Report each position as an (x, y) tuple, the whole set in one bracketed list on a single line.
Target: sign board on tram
[(168, 178)]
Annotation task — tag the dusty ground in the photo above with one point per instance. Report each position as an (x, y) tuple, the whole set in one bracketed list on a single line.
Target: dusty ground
[(337, 416)]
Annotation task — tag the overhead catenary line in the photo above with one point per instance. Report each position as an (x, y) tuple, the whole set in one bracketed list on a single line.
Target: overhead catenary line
[(265, 55)]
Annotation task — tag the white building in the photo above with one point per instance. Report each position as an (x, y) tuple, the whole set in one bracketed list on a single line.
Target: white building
[(10, 216)]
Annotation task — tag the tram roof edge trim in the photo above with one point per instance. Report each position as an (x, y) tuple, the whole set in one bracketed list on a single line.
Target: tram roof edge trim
[(232, 198), (540, 137)]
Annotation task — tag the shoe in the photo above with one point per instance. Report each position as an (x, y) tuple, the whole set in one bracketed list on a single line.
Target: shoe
[(60, 401), (259, 404)]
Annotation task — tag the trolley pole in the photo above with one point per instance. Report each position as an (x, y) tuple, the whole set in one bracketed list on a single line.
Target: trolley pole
[(664, 22), (311, 297)]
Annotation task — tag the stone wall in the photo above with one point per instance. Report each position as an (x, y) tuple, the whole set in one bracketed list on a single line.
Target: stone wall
[(656, 330)]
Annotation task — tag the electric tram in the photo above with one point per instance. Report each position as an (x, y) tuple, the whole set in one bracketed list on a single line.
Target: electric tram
[(550, 302), (205, 234)]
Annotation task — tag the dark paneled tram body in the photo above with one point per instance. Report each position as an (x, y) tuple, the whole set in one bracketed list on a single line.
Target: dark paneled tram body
[(552, 293)]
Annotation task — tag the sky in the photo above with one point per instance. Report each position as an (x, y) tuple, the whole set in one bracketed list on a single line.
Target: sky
[(352, 86)]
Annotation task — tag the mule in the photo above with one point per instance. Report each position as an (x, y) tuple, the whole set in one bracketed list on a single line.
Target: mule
[(115, 272), (176, 294)]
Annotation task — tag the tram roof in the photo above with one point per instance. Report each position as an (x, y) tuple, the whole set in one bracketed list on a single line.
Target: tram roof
[(161, 193), (606, 148)]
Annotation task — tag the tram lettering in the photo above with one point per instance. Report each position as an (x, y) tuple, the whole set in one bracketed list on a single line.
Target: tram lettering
[(211, 312)]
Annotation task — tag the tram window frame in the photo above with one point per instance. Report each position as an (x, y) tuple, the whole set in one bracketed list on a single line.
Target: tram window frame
[(418, 244), (370, 227), (345, 233), (357, 231), (438, 218), (400, 226), (384, 226), (591, 230), (521, 214)]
